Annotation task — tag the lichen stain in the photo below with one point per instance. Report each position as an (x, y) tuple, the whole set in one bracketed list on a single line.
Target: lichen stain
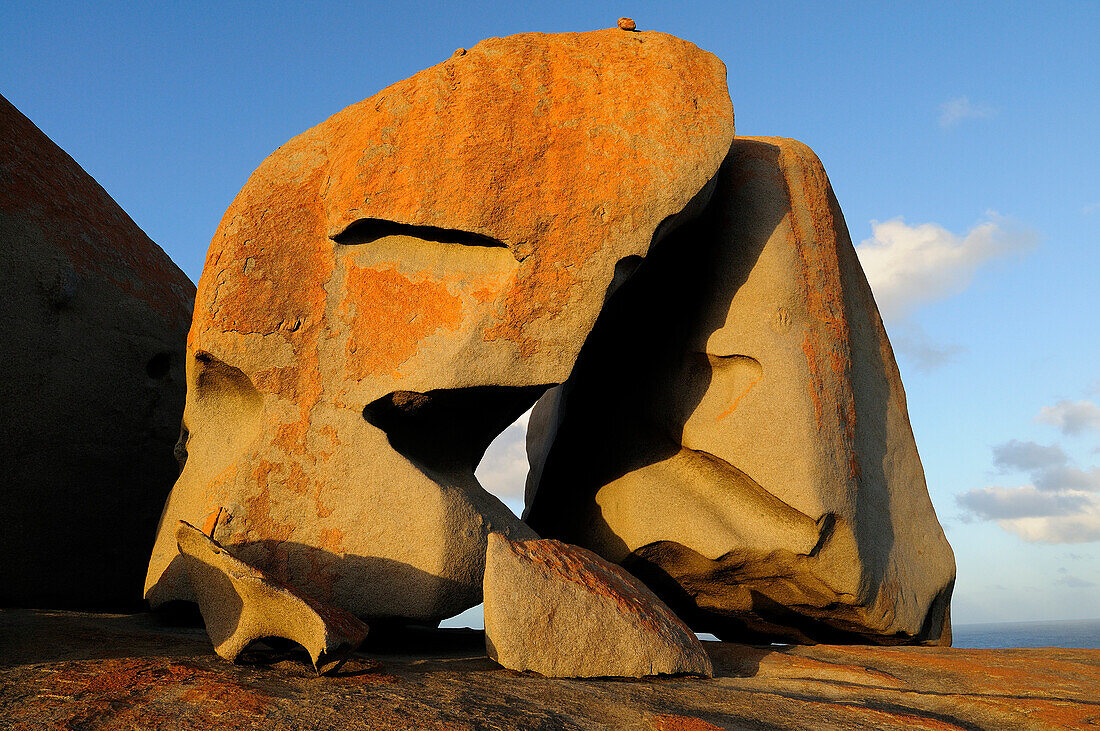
[(276, 223), (263, 526), (827, 341), (740, 396), (675, 722), (390, 314), (541, 291), (561, 561), (332, 540), (531, 173)]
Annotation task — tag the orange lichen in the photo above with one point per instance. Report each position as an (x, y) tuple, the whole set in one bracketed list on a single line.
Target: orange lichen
[(332, 540), (671, 722), (571, 563), (260, 522), (573, 129), (827, 342), (392, 314), (736, 401), (320, 488), (296, 479)]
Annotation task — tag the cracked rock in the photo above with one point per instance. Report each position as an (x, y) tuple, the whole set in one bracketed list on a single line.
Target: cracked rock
[(240, 604)]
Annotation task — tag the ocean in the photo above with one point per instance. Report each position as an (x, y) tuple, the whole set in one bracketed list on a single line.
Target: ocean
[(1066, 633), (1083, 633)]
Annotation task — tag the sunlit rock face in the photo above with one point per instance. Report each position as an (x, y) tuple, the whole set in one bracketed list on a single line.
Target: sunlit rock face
[(91, 381), (562, 612), (393, 287), (735, 431)]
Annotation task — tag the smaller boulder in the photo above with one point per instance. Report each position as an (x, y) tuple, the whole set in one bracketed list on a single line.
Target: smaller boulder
[(627, 24), (240, 605), (563, 611)]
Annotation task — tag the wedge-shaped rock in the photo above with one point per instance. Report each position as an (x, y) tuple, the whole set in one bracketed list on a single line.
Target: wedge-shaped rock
[(564, 612), (95, 319), (735, 431), (240, 605), (393, 287)]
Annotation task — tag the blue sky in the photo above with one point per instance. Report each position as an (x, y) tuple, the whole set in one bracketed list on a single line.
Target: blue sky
[(961, 140)]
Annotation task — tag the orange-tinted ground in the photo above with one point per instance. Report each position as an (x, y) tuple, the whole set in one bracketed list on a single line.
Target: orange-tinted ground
[(82, 671)]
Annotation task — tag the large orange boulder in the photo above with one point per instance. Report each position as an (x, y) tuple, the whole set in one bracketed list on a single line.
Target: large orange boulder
[(91, 352), (735, 431), (395, 286)]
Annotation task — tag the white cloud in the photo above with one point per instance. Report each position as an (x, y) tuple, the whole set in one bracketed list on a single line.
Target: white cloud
[(1028, 456), (1075, 582), (1037, 516), (912, 342), (1082, 527), (908, 266), (1062, 505), (1007, 503), (1068, 478), (1071, 417), (503, 469), (956, 110)]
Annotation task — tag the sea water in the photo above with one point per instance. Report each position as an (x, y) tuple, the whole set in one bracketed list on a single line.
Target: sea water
[(1084, 633), (1066, 633)]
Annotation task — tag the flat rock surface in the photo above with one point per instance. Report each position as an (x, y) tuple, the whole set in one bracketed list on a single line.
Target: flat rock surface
[(102, 671)]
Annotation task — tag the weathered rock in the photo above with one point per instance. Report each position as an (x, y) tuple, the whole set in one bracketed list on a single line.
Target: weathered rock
[(92, 356), (564, 612), (395, 286), (240, 605), (68, 670), (627, 24), (735, 431)]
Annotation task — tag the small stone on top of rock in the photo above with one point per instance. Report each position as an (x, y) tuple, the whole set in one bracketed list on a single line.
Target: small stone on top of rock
[(627, 24)]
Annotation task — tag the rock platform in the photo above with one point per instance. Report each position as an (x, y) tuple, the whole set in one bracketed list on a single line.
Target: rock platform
[(109, 671)]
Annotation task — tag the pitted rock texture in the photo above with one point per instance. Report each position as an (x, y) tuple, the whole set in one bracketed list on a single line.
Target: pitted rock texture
[(736, 433), (240, 605), (92, 356), (67, 670), (395, 286), (563, 611)]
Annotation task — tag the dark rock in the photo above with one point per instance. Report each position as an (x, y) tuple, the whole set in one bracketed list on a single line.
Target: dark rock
[(92, 356)]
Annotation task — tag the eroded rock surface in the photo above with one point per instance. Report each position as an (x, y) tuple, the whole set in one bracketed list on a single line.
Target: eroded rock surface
[(736, 433), (240, 605), (395, 286), (92, 360), (563, 611), (63, 670)]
